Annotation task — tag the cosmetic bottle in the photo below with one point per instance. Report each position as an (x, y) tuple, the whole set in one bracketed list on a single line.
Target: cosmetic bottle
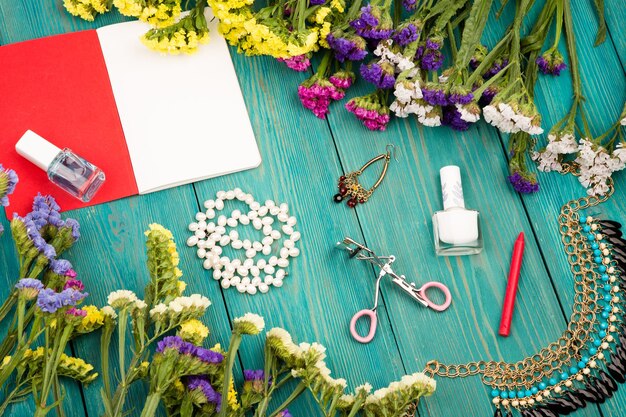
[(69, 171), (456, 229)]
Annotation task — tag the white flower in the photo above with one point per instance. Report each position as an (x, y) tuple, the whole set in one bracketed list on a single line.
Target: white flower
[(108, 311), (140, 304), (547, 161), (158, 309), (562, 143), (403, 63), (623, 122), (402, 93), (596, 167), (366, 388), (121, 298), (430, 119), (620, 153), (469, 114), (249, 324)]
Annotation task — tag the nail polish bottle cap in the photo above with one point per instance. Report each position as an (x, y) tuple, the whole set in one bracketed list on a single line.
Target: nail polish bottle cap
[(36, 149), (451, 188)]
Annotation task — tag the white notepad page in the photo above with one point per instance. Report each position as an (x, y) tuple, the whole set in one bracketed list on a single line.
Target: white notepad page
[(183, 116)]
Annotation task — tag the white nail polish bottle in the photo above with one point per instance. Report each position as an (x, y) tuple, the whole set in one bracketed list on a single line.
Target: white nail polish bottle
[(457, 229)]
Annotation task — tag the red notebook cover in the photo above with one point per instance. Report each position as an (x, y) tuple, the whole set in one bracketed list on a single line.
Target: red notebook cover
[(59, 88)]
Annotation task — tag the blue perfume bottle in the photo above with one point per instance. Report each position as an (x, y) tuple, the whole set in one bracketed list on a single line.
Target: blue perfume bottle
[(69, 171)]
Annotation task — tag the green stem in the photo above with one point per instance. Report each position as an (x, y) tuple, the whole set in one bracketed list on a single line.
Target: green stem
[(235, 341), (121, 348), (105, 340), (152, 403), (472, 32), (571, 50), (8, 304), (296, 392), (21, 306), (559, 22)]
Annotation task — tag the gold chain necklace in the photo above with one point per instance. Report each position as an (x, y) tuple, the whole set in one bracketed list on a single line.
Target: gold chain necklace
[(568, 373)]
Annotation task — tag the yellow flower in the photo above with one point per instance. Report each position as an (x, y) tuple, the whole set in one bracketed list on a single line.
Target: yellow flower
[(5, 361), (76, 368), (85, 9), (321, 14), (232, 396), (324, 31), (128, 7), (181, 286), (338, 5), (193, 331), (92, 321)]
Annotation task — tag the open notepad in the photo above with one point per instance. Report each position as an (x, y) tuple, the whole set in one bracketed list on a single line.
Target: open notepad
[(150, 121)]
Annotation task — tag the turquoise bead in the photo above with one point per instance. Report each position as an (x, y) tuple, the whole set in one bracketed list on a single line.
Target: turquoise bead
[(583, 220), (573, 370), (597, 343), (593, 351), (520, 394), (584, 359), (604, 326), (597, 252), (543, 385), (607, 288), (602, 268), (553, 381), (597, 260), (564, 376), (602, 334), (534, 390), (594, 245), (607, 297), (495, 393), (528, 393), (605, 315), (512, 394), (581, 364), (504, 395), (587, 229), (591, 237)]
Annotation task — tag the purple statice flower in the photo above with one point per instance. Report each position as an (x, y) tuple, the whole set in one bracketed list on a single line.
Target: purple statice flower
[(406, 34), (49, 301), (479, 55), (254, 380), (452, 117), (170, 342), (76, 312), (74, 284), (45, 211), (298, 63), (523, 185), (342, 79), (29, 287), (409, 5), (381, 74), (458, 96), (497, 66), (75, 228), (370, 110), (487, 96), (204, 386), (8, 180), (434, 96), (208, 356), (285, 413), (71, 297), (316, 2), (551, 62), (349, 47), (60, 266), (317, 93), (373, 23), (430, 56), (32, 231)]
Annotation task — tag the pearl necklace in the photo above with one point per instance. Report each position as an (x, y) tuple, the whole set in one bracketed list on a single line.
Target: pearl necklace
[(212, 237)]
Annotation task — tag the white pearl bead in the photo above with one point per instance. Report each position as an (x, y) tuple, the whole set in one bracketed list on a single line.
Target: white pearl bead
[(200, 216), (217, 250), (288, 244), (602, 245), (267, 220), (295, 236), (235, 214), (207, 264), (539, 397), (231, 222), (505, 402), (267, 229), (579, 377), (245, 220), (605, 252), (522, 403), (210, 228), (217, 274), (221, 220), (586, 371), (236, 263), (284, 253), (253, 215), (248, 263), (255, 271), (230, 195), (275, 234), (268, 279), (241, 288), (202, 225), (287, 229), (245, 281), (256, 281), (219, 204), (269, 269), (225, 283), (600, 355), (284, 207), (269, 203), (568, 383), (558, 389), (267, 241), (201, 253), (210, 214), (282, 217), (278, 283), (251, 289), (283, 263), (233, 234), (247, 244), (261, 263), (274, 210), (611, 270), (237, 244), (263, 288), (220, 194), (257, 224), (592, 364), (604, 345), (263, 211), (193, 227), (609, 338), (496, 401), (209, 204), (273, 261), (220, 230), (192, 240), (227, 274), (202, 244), (241, 196), (599, 236), (257, 246), (200, 234), (280, 274), (250, 253), (266, 250), (225, 240), (292, 221), (235, 280), (294, 252), (229, 268), (237, 190), (242, 271), (515, 403), (255, 205)]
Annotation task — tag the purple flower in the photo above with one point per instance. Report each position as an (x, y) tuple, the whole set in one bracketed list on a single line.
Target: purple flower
[(71, 296), (497, 66), (404, 35), (45, 211), (351, 48), (75, 228), (48, 301), (317, 93), (285, 413), (434, 96), (254, 380), (373, 23), (169, 342), (316, 2), (409, 4), (452, 117), (76, 312), (298, 63), (60, 266), (204, 386), (523, 185), (551, 62), (379, 74), (487, 96), (74, 284), (29, 287), (208, 356), (8, 180), (342, 79), (460, 98), (371, 110)]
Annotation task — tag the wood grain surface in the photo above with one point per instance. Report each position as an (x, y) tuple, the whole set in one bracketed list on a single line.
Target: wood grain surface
[(302, 158)]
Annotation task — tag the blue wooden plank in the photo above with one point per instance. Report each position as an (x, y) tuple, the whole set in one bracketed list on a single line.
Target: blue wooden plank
[(615, 18)]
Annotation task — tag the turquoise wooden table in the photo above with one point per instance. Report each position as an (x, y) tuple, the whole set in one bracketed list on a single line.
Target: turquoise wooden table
[(302, 159)]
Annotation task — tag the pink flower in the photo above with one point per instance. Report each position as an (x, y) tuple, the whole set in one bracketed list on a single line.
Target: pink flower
[(298, 63)]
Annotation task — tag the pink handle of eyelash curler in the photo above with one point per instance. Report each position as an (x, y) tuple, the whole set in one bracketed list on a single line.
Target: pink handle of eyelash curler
[(446, 292), (373, 322)]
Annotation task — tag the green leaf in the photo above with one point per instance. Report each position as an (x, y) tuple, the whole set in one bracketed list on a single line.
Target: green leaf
[(601, 35)]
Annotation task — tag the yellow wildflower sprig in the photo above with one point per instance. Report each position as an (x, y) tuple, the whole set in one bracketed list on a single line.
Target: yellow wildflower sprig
[(87, 9), (159, 13), (163, 260), (183, 36)]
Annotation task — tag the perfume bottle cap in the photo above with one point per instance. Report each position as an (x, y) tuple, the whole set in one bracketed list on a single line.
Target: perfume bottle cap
[(36, 149), (451, 188)]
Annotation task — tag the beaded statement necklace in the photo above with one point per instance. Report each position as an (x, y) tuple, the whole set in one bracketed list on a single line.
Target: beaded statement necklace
[(585, 363)]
